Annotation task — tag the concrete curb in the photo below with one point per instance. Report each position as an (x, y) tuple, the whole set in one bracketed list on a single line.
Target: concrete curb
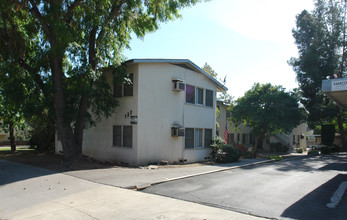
[(144, 186)]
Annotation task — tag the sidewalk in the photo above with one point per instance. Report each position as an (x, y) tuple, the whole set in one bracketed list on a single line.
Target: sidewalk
[(136, 178), (29, 192)]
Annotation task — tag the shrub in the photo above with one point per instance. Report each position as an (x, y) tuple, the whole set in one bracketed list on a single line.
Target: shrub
[(328, 134), (232, 154), (325, 150), (278, 147), (300, 150), (312, 152), (216, 146), (276, 157), (336, 148)]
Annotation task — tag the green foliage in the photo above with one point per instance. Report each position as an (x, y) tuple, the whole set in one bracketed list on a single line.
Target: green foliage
[(312, 152), (325, 150), (223, 153), (279, 147), (267, 109), (300, 150), (208, 69), (217, 143), (276, 157), (328, 134), (65, 47), (320, 39), (230, 154)]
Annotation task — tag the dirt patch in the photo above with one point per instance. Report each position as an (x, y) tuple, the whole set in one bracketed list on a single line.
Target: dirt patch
[(50, 160)]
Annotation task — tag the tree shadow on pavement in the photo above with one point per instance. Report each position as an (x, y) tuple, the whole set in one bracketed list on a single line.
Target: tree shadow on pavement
[(313, 205)]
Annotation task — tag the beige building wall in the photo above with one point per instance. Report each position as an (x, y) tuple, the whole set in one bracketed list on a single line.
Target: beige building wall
[(242, 134)]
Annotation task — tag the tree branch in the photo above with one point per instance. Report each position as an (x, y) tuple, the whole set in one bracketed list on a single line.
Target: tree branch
[(68, 16), (47, 30), (114, 12)]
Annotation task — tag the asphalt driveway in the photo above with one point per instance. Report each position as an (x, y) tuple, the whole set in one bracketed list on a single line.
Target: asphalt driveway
[(294, 189)]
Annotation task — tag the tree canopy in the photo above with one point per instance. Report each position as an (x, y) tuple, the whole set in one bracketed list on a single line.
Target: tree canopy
[(267, 110), (62, 48), (320, 37)]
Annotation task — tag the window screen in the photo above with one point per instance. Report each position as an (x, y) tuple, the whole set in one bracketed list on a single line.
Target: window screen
[(209, 98), (117, 135), (190, 94), (208, 137), (189, 137), (128, 136), (198, 138), (200, 96), (117, 89)]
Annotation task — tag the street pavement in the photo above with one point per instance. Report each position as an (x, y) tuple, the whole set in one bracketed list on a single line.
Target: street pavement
[(29, 192), (299, 188), (139, 178)]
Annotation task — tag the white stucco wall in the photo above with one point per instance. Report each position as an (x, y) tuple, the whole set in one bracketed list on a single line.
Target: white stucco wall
[(160, 107), (98, 140)]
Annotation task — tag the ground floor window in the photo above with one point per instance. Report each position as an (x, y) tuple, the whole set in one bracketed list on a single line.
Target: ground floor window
[(123, 136), (197, 138), (208, 138)]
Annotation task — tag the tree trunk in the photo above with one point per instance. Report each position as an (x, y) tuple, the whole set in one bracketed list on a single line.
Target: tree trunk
[(255, 148), (341, 130), (12, 139), (79, 127), (64, 128)]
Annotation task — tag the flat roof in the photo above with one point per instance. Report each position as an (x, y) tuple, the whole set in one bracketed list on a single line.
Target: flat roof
[(336, 89), (185, 63)]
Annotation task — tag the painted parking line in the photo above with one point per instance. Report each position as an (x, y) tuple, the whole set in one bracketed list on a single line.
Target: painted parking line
[(335, 199)]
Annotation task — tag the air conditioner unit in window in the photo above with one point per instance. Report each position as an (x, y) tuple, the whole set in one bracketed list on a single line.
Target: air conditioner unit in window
[(177, 132), (178, 85)]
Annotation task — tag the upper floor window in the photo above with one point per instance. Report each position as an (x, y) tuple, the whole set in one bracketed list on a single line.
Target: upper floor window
[(199, 96), (190, 94), (209, 98), (123, 89)]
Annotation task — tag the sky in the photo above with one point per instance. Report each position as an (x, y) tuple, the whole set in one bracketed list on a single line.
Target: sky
[(247, 41)]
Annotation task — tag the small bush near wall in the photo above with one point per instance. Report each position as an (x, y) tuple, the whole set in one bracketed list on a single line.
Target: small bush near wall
[(300, 150), (223, 153), (312, 152), (278, 147), (232, 154)]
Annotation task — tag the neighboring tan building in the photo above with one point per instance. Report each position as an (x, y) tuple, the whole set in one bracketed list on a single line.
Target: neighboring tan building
[(243, 134), (168, 113)]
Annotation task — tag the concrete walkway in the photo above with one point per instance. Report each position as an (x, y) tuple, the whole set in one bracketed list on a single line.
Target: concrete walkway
[(29, 192), (137, 178)]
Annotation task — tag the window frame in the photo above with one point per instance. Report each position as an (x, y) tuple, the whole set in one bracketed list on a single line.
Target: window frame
[(123, 89), (125, 138)]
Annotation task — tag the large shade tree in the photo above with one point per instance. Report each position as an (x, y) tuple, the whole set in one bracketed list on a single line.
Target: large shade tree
[(320, 36), (267, 110), (64, 46)]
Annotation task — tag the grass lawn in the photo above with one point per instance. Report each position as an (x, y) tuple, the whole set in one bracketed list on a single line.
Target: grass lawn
[(7, 149)]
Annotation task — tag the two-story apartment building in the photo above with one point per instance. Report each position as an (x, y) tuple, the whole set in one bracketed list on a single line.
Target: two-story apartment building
[(167, 113), (243, 134)]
